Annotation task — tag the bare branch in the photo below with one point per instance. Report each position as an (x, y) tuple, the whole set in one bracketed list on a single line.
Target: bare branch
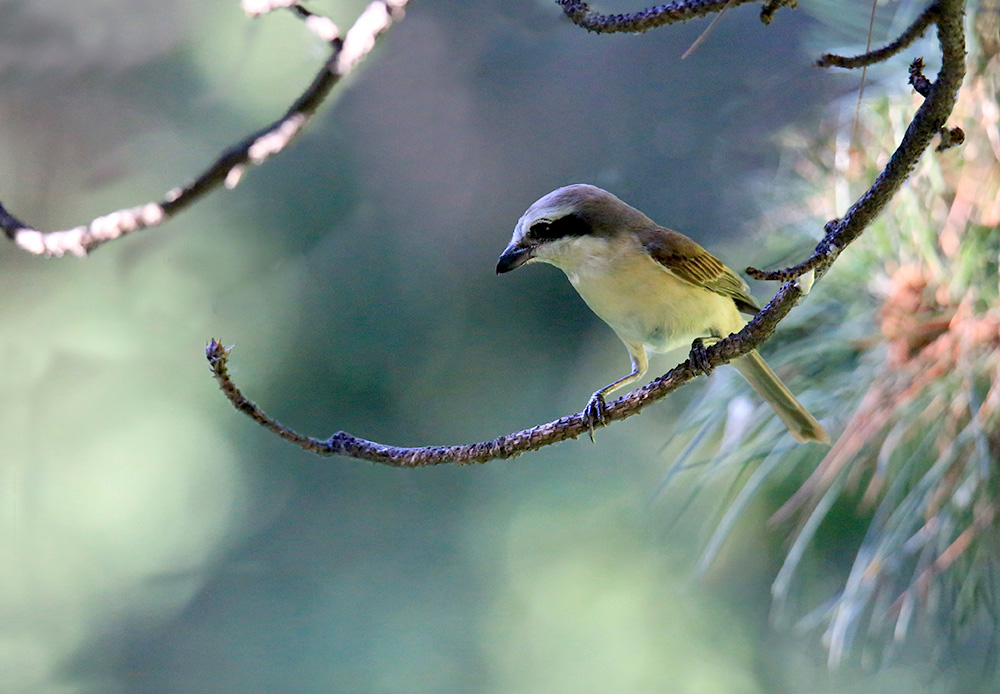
[(771, 6), (230, 166), (828, 253), (929, 119), (755, 333), (912, 33), (652, 17)]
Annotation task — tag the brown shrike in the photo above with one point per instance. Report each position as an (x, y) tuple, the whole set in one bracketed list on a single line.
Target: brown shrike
[(656, 288)]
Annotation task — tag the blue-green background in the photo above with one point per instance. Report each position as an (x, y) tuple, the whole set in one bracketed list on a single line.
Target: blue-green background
[(155, 540)]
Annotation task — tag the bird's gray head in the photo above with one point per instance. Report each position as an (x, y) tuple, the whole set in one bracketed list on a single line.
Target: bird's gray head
[(549, 227)]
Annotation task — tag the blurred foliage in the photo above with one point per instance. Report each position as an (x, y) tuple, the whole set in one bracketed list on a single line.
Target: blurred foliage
[(902, 338), (265, 64), (588, 608)]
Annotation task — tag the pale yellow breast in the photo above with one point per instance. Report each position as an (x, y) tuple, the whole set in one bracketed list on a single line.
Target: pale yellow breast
[(643, 301)]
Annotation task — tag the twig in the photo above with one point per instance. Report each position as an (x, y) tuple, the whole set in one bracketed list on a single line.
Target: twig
[(232, 164), (911, 34), (826, 252), (950, 137), (771, 6), (864, 75), (651, 17), (921, 85), (708, 30), (928, 121)]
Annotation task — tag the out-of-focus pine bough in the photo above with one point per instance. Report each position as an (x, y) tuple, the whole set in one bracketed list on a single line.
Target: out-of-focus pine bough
[(907, 339)]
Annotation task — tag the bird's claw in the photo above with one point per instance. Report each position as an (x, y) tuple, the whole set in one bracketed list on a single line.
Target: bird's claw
[(699, 357), (593, 413)]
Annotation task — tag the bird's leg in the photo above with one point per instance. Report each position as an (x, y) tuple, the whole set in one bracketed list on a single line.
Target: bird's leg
[(593, 413), (698, 355)]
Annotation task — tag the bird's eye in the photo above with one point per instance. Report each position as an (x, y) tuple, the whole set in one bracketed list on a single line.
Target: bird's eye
[(568, 225), (540, 231)]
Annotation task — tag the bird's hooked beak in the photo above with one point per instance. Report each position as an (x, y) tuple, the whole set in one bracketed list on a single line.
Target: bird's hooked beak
[(514, 256)]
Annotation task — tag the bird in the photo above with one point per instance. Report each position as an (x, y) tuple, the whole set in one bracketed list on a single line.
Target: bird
[(655, 287)]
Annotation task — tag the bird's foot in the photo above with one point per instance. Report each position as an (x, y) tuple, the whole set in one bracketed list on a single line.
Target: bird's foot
[(699, 357), (593, 413)]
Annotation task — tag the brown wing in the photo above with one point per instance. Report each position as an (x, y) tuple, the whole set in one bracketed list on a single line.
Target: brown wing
[(692, 263)]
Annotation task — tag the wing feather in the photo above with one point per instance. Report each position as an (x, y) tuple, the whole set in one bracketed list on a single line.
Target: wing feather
[(692, 263)]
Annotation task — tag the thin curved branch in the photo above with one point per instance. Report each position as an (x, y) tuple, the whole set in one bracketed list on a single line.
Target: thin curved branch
[(810, 264), (928, 121), (651, 17), (229, 167), (755, 333), (911, 34)]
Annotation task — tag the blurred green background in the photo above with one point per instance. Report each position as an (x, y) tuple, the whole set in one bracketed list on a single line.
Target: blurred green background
[(155, 540)]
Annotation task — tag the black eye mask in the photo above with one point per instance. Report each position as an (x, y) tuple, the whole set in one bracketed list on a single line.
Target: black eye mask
[(571, 225)]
